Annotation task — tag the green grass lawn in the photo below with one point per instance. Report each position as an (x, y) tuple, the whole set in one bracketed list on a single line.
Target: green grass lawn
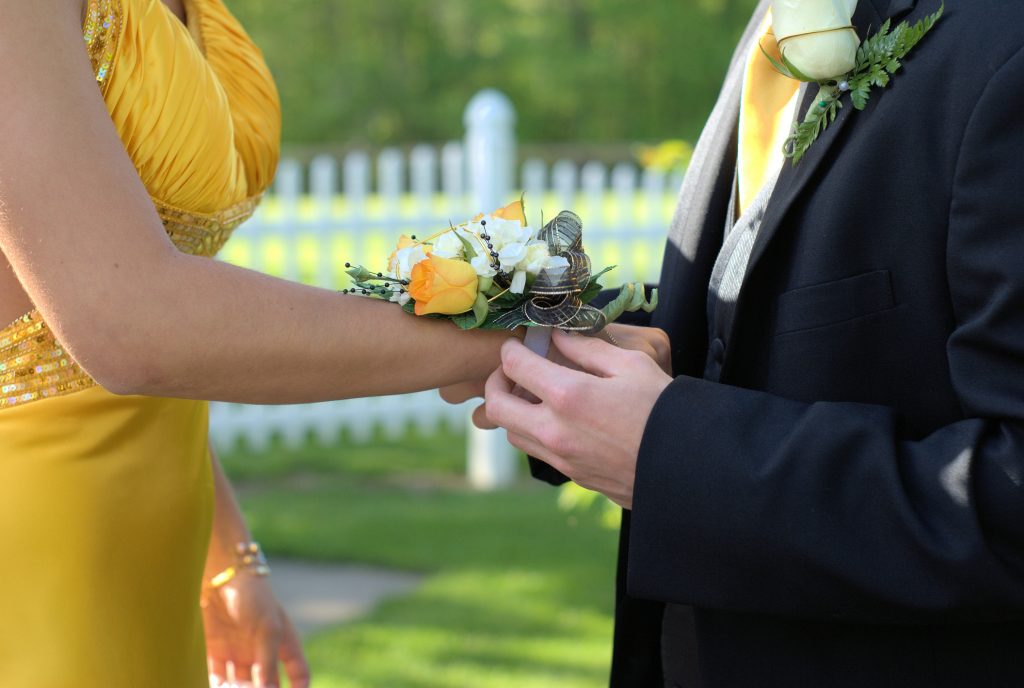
[(519, 593)]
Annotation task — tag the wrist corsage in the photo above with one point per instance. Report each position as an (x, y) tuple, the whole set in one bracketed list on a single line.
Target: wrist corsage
[(497, 273)]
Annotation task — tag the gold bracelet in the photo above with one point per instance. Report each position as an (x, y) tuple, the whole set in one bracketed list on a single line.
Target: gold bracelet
[(249, 558)]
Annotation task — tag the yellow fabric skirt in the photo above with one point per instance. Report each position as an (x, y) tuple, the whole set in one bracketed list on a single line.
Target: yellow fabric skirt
[(105, 515)]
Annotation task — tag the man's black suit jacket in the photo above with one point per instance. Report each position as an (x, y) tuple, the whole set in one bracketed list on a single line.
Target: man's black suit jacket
[(845, 506)]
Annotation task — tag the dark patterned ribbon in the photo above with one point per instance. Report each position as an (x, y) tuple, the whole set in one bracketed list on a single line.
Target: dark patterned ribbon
[(554, 299)]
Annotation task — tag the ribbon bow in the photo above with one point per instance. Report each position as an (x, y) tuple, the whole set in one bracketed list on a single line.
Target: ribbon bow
[(555, 296)]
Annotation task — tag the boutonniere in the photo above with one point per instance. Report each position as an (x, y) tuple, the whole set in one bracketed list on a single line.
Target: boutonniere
[(818, 44)]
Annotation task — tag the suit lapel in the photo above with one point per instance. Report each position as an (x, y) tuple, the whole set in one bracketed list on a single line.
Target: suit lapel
[(795, 178), (695, 235), (715, 147), (898, 9)]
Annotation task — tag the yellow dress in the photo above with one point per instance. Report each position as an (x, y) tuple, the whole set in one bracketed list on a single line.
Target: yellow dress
[(106, 501)]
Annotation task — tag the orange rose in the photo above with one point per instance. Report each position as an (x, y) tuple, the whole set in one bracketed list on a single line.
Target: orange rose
[(513, 211), (444, 286)]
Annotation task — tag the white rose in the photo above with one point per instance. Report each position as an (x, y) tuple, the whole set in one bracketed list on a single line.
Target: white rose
[(483, 267), (505, 232), (404, 260), (448, 245), (536, 258), (511, 255), (803, 29)]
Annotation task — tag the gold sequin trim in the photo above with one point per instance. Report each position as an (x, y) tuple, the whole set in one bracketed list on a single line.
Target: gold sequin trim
[(204, 235), (34, 365), (101, 31)]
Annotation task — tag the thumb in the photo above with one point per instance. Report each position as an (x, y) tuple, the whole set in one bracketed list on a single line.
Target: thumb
[(593, 355)]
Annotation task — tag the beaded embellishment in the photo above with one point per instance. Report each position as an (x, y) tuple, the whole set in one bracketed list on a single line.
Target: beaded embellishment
[(204, 235), (101, 31), (34, 365)]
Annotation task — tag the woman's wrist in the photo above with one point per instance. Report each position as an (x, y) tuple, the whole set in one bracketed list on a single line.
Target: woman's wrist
[(248, 560)]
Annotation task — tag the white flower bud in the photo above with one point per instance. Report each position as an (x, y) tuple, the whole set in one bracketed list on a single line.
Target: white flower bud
[(448, 245), (518, 282), (804, 30), (483, 267)]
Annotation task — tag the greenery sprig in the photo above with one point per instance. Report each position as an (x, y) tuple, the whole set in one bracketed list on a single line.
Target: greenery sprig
[(878, 58)]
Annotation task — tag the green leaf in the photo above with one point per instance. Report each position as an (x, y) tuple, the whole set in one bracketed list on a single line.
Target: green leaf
[(779, 67), (481, 309), (507, 301), (466, 246), (599, 275), (510, 323), (360, 274), (465, 321), (591, 292), (796, 73)]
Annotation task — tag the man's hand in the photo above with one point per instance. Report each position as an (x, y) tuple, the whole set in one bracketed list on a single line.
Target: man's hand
[(648, 340), (589, 422)]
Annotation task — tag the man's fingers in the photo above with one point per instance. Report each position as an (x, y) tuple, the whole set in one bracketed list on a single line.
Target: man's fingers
[(590, 353), (464, 391), (534, 373), (293, 658), (505, 408), (538, 451)]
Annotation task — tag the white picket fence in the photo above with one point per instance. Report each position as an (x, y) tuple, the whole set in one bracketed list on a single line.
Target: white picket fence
[(319, 216)]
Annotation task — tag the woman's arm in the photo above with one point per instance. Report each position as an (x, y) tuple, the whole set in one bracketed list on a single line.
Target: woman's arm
[(229, 526), (245, 625), (82, 236)]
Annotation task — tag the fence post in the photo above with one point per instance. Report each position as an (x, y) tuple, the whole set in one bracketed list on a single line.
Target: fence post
[(490, 151)]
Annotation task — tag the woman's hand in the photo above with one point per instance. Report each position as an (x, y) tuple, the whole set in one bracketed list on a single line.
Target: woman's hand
[(248, 633), (649, 340)]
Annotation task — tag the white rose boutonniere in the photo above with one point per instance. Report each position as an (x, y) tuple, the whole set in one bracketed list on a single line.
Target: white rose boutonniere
[(818, 44), (816, 37)]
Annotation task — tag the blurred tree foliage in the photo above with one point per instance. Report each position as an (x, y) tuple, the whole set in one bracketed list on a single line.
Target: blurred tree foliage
[(394, 71)]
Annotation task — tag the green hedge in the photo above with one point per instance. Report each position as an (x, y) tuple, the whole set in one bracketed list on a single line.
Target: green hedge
[(393, 71)]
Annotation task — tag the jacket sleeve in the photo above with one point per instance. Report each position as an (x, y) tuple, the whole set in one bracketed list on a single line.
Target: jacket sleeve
[(746, 501)]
